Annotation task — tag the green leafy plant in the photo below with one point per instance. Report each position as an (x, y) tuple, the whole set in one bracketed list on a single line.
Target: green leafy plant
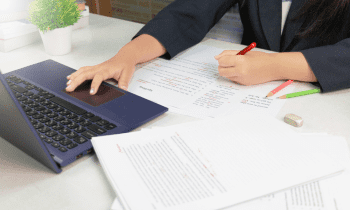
[(51, 14)]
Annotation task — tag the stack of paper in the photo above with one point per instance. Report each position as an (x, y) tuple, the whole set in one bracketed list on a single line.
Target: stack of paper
[(215, 164)]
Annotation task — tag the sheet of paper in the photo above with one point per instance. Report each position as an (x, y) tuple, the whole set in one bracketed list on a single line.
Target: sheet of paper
[(211, 169), (313, 196), (190, 84)]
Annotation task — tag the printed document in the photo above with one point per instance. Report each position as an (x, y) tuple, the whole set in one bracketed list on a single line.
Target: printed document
[(213, 164), (190, 84)]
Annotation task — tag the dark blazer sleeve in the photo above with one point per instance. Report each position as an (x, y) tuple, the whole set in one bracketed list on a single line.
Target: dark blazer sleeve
[(331, 65), (184, 23)]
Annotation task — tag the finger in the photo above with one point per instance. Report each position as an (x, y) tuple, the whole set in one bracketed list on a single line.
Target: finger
[(97, 80), (228, 60), (227, 72), (226, 52), (125, 77), (86, 75), (79, 71)]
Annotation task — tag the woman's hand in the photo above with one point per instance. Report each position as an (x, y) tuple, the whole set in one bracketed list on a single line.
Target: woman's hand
[(120, 68), (250, 69)]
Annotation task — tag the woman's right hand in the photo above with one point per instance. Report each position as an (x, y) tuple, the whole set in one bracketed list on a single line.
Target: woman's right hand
[(120, 68)]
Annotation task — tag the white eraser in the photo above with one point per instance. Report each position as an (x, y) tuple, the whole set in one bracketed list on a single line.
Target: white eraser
[(293, 119)]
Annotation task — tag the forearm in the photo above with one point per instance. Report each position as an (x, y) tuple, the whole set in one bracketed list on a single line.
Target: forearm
[(293, 65), (142, 49)]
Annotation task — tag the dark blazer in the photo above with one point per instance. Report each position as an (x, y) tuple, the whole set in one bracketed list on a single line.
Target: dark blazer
[(184, 23)]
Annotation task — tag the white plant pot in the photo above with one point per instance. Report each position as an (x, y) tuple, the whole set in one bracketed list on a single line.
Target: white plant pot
[(57, 41)]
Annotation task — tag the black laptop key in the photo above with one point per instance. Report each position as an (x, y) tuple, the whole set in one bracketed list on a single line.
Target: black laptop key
[(59, 118), (58, 109), (34, 97), (44, 129), (78, 119), (80, 129), (96, 129), (51, 106), (44, 119), (88, 115), (58, 127), (18, 88), (62, 149), (64, 130), (58, 138), (32, 121), (46, 111), (80, 139), (37, 125), (26, 109), (71, 107), (40, 100), (51, 123), (88, 134), (27, 101), (37, 116), (72, 135), (86, 123), (17, 95), (71, 116), (53, 115), (95, 119), (55, 144), (66, 122), (47, 96), (72, 145), (31, 112), (45, 103), (41, 93), (39, 108), (110, 126), (102, 122), (32, 105), (51, 133), (72, 125), (22, 98), (48, 140), (28, 93), (65, 142), (65, 112), (29, 87)]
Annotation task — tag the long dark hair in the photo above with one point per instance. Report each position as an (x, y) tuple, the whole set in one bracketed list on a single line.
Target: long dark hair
[(325, 17)]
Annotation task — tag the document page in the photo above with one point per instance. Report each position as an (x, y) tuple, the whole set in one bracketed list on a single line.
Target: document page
[(190, 84), (193, 167)]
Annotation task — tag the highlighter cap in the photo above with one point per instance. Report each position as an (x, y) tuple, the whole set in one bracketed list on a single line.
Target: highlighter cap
[(293, 120)]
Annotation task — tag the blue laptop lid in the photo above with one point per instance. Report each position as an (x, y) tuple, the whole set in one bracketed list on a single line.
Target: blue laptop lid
[(16, 128)]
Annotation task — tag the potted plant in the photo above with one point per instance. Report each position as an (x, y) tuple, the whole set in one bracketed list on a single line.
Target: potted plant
[(55, 18)]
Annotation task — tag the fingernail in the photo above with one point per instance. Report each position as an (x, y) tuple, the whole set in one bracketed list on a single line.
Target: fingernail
[(91, 91), (69, 82), (124, 88), (68, 76), (68, 87)]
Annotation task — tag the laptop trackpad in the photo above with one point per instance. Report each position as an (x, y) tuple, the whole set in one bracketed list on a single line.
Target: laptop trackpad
[(104, 94)]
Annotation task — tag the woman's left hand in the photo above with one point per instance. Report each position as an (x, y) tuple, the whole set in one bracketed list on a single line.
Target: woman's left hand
[(250, 69)]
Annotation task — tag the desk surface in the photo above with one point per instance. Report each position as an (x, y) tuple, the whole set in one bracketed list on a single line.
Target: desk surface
[(26, 184)]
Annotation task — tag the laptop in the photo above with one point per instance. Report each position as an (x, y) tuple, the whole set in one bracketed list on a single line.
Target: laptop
[(55, 127)]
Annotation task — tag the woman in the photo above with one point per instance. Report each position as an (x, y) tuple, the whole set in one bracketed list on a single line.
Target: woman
[(314, 46)]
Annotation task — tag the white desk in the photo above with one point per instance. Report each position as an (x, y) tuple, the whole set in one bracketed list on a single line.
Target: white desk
[(26, 184)]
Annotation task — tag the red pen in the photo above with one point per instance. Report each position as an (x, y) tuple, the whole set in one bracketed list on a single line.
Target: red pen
[(247, 49)]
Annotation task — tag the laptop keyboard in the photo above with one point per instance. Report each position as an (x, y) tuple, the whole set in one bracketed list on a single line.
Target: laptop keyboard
[(57, 121)]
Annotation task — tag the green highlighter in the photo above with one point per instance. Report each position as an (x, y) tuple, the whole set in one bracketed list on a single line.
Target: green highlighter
[(301, 93)]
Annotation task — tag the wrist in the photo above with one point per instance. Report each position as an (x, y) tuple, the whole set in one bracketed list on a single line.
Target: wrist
[(293, 65)]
